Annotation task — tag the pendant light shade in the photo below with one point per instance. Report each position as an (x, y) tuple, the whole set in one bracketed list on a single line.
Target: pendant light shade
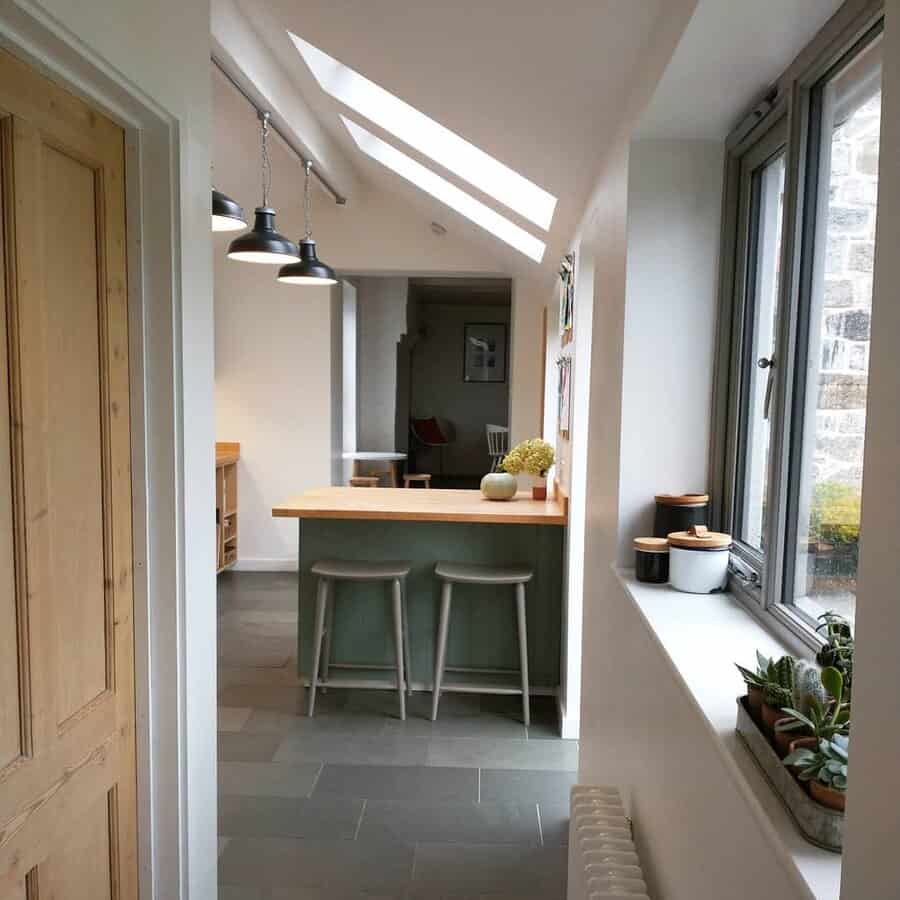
[(263, 244), (309, 270), (227, 215)]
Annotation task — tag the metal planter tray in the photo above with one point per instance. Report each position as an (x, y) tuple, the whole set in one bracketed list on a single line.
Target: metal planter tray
[(819, 825)]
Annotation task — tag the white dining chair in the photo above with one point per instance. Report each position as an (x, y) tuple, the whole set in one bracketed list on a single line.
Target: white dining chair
[(498, 444)]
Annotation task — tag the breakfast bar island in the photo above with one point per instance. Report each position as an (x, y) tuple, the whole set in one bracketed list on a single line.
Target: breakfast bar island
[(424, 527)]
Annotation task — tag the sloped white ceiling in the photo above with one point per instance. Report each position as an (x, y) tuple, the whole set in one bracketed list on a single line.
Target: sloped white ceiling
[(541, 87), (730, 53)]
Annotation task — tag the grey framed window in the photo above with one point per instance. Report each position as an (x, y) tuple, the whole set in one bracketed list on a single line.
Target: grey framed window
[(796, 293)]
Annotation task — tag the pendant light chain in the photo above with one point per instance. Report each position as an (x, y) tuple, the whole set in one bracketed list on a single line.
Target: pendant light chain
[(308, 167), (266, 162)]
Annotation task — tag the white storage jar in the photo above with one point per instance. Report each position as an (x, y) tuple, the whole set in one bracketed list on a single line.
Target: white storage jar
[(698, 560)]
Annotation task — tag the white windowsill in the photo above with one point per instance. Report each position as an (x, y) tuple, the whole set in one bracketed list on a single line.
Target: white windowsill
[(703, 635)]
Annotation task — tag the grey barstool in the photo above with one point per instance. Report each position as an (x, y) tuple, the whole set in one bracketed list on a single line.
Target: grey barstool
[(332, 570), (466, 573)]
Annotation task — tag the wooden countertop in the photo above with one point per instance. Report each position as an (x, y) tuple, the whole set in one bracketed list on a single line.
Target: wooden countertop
[(227, 452), (420, 505)]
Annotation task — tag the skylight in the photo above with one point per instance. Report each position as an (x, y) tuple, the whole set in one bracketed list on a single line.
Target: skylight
[(449, 194), (428, 137)]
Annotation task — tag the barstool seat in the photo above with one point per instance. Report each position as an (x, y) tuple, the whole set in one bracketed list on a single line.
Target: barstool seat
[(452, 573), (360, 570), (365, 481), (332, 570), (471, 573)]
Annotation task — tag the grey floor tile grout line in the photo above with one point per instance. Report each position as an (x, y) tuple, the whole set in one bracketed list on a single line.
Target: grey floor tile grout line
[(316, 779), (479, 785), (537, 806), (362, 813), (412, 873)]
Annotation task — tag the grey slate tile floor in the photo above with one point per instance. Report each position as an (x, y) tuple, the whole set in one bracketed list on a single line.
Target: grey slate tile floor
[(357, 805)]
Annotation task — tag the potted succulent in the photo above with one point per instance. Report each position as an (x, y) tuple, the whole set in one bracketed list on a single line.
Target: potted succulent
[(777, 692), (821, 717), (838, 649), (756, 683), (824, 770), (807, 695), (818, 716), (533, 457)]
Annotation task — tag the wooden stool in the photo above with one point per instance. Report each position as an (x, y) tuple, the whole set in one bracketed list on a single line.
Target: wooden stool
[(331, 570), (465, 573), (365, 481), (408, 480)]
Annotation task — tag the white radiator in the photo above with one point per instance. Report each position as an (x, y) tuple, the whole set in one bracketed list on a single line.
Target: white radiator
[(603, 861)]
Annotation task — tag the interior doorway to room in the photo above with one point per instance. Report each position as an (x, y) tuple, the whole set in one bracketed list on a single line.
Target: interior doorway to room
[(432, 364), (67, 699)]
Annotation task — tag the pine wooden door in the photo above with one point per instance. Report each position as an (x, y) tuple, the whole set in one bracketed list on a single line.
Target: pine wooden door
[(67, 745)]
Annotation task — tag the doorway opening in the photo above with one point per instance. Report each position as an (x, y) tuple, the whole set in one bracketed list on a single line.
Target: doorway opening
[(426, 373)]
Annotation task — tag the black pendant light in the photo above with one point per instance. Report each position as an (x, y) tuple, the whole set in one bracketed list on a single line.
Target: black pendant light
[(309, 270), (263, 244), (227, 215)]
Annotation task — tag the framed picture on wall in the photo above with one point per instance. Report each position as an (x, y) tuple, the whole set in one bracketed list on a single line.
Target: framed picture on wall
[(484, 352)]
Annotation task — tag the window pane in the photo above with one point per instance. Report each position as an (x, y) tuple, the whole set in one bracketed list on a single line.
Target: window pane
[(767, 193), (834, 411)]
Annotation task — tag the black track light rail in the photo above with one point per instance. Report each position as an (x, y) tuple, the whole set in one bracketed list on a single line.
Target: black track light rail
[(339, 198)]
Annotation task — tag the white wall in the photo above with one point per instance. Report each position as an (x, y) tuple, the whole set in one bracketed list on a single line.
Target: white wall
[(381, 321), (697, 836), (273, 395), (871, 862), (349, 379), (674, 214)]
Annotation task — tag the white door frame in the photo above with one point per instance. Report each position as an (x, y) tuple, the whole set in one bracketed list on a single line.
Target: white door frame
[(152, 153)]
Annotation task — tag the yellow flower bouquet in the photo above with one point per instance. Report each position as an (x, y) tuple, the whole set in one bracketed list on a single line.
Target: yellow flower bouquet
[(532, 457)]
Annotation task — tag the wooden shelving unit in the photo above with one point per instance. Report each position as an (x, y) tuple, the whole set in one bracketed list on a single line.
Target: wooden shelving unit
[(227, 456)]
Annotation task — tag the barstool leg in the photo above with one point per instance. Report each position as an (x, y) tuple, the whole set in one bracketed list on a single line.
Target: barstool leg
[(443, 627), (398, 644), (523, 652), (321, 599), (406, 662), (329, 628)]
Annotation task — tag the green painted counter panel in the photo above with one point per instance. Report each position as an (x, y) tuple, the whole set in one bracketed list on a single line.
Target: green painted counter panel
[(483, 624)]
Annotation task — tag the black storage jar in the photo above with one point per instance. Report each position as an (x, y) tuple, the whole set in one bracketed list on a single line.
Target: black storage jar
[(651, 560), (679, 512)]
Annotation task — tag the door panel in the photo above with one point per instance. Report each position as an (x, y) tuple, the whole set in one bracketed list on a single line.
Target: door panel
[(76, 529), (67, 792)]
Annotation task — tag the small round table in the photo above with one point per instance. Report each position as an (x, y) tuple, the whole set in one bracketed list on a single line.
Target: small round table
[(393, 460)]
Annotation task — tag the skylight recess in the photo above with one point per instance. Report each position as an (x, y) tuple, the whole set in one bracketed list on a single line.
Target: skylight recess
[(449, 194), (432, 139)]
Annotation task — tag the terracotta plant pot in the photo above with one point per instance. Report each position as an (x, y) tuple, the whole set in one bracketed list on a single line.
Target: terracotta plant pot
[(755, 701), (809, 742), (827, 796), (783, 739), (539, 490), (770, 715)]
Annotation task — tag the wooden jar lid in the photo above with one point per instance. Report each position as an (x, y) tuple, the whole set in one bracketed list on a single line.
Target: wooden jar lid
[(682, 499), (699, 538), (651, 544)]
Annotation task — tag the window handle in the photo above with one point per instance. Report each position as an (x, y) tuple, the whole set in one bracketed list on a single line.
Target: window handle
[(768, 363)]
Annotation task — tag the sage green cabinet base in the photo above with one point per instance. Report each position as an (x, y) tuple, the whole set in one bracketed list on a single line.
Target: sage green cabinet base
[(483, 627)]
